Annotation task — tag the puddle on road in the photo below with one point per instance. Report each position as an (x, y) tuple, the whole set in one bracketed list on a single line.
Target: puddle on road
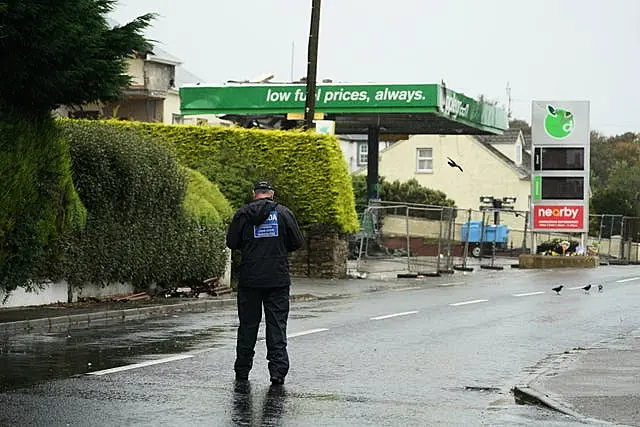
[(30, 359)]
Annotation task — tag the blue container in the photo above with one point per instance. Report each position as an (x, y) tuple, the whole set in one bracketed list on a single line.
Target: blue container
[(473, 230)]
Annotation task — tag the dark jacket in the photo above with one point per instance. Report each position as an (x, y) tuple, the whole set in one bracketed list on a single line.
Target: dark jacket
[(265, 232)]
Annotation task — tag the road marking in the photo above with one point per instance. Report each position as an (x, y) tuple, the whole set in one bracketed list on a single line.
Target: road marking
[(310, 331), (627, 280), (475, 301), (528, 294), (141, 364), (451, 284), (577, 287), (409, 288), (393, 315)]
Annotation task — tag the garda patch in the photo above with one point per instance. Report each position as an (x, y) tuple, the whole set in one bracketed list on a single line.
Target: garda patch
[(269, 228)]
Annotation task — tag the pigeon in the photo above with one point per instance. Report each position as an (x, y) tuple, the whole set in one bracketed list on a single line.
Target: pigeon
[(600, 288), (586, 288), (454, 164), (557, 289)]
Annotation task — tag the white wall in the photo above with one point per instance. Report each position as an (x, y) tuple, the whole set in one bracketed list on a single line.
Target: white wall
[(57, 292)]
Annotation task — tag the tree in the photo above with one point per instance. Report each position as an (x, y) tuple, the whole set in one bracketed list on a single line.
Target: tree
[(52, 53), (63, 52), (520, 124), (613, 201)]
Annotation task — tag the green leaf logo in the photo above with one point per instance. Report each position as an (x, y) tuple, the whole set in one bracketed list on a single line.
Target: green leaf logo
[(559, 123)]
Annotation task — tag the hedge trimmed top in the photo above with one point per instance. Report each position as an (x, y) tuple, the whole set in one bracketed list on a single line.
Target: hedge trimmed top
[(307, 169)]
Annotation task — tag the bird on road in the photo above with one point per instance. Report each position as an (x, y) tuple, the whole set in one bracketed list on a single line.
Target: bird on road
[(557, 289), (600, 288), (453, 164), (586, 288)]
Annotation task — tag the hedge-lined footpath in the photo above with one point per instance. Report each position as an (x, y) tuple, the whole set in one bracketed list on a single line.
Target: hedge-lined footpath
[(308, 169)]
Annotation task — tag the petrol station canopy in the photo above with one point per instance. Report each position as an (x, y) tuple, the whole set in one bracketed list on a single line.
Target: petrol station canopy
[(355, 108)]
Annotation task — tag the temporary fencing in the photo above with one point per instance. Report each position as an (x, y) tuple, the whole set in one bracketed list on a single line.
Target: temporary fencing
[(434, 240)]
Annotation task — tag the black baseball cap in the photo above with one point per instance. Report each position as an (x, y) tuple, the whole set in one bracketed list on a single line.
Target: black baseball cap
[(263, 185)]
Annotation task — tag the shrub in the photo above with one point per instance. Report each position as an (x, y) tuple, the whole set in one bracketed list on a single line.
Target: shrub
[(149, 220), (38, 203), (308, 170), (403, 192), (412, 192)]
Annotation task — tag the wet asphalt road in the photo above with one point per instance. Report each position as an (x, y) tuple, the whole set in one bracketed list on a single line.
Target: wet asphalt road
[(417, 355)]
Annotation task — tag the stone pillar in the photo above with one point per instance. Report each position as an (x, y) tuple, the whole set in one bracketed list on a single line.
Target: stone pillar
[(324, 255)]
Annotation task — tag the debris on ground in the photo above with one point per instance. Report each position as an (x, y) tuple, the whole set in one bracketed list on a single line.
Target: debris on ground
[(205, 288)]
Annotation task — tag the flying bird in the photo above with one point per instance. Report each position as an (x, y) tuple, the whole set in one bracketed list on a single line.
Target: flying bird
[(557, 289), (586, 288), (600, 288), (454, 164)]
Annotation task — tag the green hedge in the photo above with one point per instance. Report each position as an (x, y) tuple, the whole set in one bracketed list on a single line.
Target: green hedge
[(204, 201), (308, 170), (38, 203), (149, 220)]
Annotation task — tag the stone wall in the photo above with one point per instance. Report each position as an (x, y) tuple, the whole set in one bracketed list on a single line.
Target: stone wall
[(324, 255), (546, 261)]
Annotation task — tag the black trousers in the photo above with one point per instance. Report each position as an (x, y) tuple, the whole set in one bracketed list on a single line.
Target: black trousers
[(276, 312)]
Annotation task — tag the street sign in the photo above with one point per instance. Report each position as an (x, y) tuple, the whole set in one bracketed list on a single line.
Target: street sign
[(560, 166)]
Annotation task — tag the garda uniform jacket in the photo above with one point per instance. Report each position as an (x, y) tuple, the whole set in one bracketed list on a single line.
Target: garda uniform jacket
[(265, 232)]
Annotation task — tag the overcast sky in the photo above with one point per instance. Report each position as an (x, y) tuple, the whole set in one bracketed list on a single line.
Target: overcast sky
[(544, 49)]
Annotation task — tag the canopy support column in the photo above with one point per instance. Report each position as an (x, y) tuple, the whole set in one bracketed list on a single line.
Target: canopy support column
[(373, 155)]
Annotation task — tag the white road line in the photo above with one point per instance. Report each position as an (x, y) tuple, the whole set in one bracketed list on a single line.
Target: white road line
[(181, 356), (627, 280), (475, 301), (141, 364), (529, 294), (408, 288), (451, 284), (393, 315), (310, 331), (577, 287)]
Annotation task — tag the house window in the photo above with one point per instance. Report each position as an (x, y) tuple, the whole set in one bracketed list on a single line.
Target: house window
[(424, 160), (363, 153)]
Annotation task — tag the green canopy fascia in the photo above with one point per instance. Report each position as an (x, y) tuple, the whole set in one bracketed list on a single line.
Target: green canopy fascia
[(397, 108)]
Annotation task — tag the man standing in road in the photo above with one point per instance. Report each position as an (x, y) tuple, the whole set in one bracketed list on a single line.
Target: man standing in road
[(264, 232)]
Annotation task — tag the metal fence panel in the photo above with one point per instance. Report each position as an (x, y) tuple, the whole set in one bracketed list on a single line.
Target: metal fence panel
[(424, 239)]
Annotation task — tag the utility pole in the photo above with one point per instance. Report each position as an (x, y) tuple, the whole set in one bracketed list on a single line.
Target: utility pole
[(312, 65)]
